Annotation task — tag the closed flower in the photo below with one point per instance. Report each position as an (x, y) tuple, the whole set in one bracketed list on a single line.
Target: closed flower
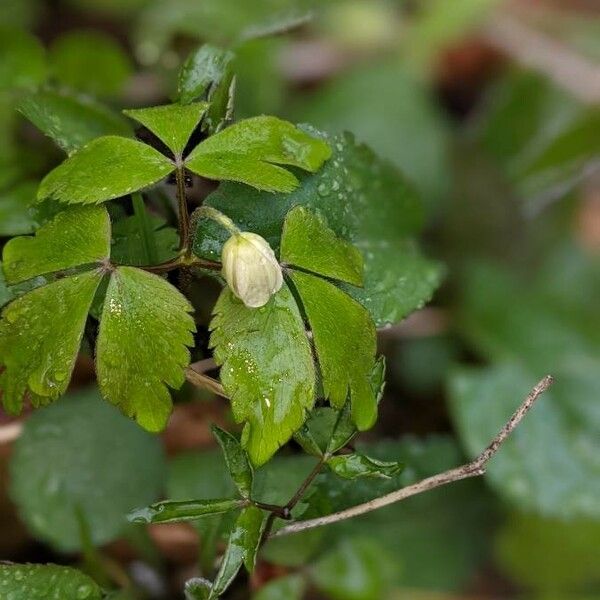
[(251, 269)]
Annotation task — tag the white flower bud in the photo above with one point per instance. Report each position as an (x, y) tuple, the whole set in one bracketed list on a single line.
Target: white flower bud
[(251, 269)]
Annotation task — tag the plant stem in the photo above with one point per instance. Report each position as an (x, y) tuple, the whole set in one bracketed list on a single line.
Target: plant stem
[(305, 484), (473, 469), (216, 215), (184, 216)]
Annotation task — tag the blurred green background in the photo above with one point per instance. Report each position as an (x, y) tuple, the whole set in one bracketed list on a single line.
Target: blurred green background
[(492, 110)]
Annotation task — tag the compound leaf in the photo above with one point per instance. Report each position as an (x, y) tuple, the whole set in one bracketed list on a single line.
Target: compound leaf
[(366, 202), (71, 120), (308, 243), (145, 330), (77, 236), (106, 168), (42, 582), (250, 151), (172, 123), (40, 334), (345, 340), (266, 368)]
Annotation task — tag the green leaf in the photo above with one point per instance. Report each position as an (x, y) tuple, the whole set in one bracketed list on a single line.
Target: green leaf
[(366, 202), (90, 61), (290, 587), (327, 430), (128, 243), (308, 243), (351, 466), (356, 569), (78, 236), (266, 369), (172, 123), (346, 342), (548, 464), (202, 72), (43, 582), (71, 120), (22, 60), (81, 455), (15, 216), (106, 168), (144, 333), (551, 557), (250, 151), (236, 458), (398, 280), (40, 334), (244, 541), (170, 511)]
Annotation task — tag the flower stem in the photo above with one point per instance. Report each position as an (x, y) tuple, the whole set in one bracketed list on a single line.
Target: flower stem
[(216, 215)]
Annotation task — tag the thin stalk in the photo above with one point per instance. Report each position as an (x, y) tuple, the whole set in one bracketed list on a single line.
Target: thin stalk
[(184, 216)]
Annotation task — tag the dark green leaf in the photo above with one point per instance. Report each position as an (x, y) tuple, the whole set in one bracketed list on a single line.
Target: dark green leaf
[(40, 335), (357, 569), (22, 60), (202, 72), (266, 368), (129, 234), (6, 294), (351, 466), (142, 347), (170, 511), (290, 587), (250, 151), (90, 61), (71, 120), (78, 236), (236, 458), (548, 463), (15, 216), (243, 545), (365, 201), (106, 168), (345, 340), (82, 455), (172, 123), (308, 243), (46, 582)]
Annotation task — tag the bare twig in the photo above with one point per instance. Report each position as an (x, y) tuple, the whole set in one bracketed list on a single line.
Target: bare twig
[(568, 69), (204, 381), (473, 469)]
